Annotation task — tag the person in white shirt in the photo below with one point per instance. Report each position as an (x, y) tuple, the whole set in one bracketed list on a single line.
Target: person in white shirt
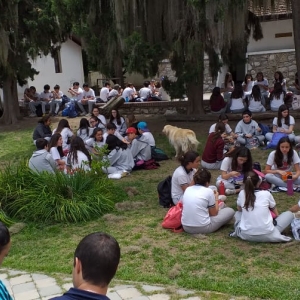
[(115, 91), (64, 129), (200, 211), (96, 140), (253, 220), (145, 91), (34, 100), (45, 97), (128, 93), (84, 131), (102, 119), (263, 86), (236, 102), (248, 85), (78, 156), (284, 123), (76, 93), (148, 136), (119, 121), (56, 100), (277, 97), (278, 77), (87, 98), (256, 101), (104, 92), (55, 146)]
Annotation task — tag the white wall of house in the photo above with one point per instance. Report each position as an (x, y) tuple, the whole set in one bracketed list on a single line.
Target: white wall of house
[(71, 67), (269, 41)]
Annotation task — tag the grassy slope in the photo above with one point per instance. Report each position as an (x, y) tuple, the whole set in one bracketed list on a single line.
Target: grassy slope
[(153, 255)]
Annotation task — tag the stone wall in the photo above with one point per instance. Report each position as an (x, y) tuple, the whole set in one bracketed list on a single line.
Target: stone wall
[(165, 69), (270, 63)]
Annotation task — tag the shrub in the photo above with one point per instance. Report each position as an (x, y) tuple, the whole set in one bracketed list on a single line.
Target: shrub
[(44, 197)]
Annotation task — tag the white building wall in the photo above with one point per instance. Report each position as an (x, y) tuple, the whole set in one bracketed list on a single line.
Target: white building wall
[(71, 66), (269, 42)]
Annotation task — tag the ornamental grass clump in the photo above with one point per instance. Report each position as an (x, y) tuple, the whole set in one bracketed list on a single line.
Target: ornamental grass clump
[(51, 198)]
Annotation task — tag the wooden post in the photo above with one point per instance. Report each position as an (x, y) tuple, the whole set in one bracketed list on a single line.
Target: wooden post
[(113, 103)]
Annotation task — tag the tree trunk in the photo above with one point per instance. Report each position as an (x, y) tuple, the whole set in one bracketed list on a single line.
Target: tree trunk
[(11, 111), (296, 27), (113, 103), (195, 99)]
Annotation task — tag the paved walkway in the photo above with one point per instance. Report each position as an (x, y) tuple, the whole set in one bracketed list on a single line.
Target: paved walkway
[(31, 286)]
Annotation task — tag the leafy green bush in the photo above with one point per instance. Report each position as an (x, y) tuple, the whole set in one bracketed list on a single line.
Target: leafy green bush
[(44, 197)]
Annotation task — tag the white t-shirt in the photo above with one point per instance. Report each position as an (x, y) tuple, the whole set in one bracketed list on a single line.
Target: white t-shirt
[(117, 125), (196, 201), (283, 83), (55, 154), (47, 96), (90, 94), (82, 162), (237, 103), (149, 138), (248, 90), (92, 143), (79, 91), (275, 102), (144, 92), (85, 134), (212, 128), (254, 106), (180, 177), (104, 93), (285, 166), (65, 134), (128, 92), (113, 93), (59, 95), (264, 83), (257, 221), (283, 125), (102, 119)]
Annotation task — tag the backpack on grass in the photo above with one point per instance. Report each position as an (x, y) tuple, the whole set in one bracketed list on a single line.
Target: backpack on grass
[(172, 220), (72, 110), (158, 154), (275, 139), (164, 192)]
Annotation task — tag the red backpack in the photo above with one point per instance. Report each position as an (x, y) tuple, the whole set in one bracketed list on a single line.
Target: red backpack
[(172, 220)]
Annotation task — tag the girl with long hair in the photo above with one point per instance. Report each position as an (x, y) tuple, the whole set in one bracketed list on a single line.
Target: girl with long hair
[(217, 102), (278, 77), (200, 211), (277, 96), (236, 103), (284, 123), (255, 100), (235, 164), (119, 156), (228, 86), (119, 121), (56, 150), (280, 161), (102, 120), (263, 85), (183, 175), (78, 156), (248, 84), (64, 129), (84, 131), (214, 148), (253, 220), (96, 140)]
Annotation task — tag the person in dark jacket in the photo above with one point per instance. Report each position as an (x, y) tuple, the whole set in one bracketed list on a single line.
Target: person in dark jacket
[(43, 129)]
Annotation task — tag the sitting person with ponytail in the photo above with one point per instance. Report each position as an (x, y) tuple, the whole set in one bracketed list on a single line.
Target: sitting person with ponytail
[(200, 213), (253, 220), (183, 175), (213, 152)]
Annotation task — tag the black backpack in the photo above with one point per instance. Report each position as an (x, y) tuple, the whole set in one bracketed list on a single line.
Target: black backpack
[(164, 192), (158, 155)]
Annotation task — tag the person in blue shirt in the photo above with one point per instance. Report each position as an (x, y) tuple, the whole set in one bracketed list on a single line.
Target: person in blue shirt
[(5, 244), (96, 260)]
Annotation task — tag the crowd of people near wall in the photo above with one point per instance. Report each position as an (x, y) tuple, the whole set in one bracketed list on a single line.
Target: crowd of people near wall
[(254, 94), (129, 144), (85, 97)]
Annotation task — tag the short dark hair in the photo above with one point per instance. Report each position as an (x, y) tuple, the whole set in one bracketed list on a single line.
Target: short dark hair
[(111, 126), (106, 84), (247, 112), (85, 85), (56, 87), (46, 87), (75, 83), (41, 143), (99, 254), (4, 236)]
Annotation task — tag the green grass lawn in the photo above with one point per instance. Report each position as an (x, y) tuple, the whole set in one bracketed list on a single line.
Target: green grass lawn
[(153, 255)]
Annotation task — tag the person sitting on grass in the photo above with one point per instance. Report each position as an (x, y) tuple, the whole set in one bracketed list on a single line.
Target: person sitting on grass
[(41, 160), (96, 260), (78, 156), (96, 140), (281, 162), (64, 129), (138, 145), (235, 164), (5, 244), (217, 102), (111, 128), (253, 220), (248, 128), (42, 130), (55, 146), (143, 129), (84, 131), (119, 156), (183, 175), (119, 121), (200, 206)]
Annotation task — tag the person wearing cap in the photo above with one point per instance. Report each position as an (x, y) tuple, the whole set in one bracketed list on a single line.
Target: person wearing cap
[(104, 92), (139, 147), (143, 130)]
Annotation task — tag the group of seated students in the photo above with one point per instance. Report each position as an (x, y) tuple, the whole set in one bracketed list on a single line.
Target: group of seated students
[(254, 95), (257, 218), (85, 98), (129, 144)]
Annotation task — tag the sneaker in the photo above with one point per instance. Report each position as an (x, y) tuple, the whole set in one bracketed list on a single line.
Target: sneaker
[(32, 115), (275, 189), (229, 192)]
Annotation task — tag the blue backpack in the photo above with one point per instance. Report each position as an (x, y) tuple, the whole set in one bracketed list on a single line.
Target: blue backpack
[(72, 110), (275, 139)]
